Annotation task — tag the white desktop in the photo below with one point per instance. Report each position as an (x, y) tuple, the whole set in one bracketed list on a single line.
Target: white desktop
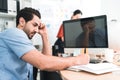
[(95, 68)]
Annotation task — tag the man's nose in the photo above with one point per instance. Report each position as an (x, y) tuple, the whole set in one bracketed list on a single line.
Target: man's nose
[(36, 29)]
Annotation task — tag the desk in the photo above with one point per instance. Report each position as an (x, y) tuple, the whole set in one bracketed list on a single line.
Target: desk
[(71, 75)]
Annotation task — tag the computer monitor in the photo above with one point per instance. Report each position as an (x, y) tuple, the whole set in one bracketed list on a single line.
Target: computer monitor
[(90, 32)]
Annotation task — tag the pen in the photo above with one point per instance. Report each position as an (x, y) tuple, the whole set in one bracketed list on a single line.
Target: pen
[(84, 50)]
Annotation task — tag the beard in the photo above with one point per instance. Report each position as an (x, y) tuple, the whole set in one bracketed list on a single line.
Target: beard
[(30, 36)]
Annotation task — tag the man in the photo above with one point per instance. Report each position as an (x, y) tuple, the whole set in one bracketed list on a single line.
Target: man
[(76, 15), (16, 49), (60, 35)]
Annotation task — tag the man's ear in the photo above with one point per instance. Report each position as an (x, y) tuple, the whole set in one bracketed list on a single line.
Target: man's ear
[(22, 22)]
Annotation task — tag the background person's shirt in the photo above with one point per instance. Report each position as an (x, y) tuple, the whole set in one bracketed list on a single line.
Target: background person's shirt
[(60, 32), (14, 43)]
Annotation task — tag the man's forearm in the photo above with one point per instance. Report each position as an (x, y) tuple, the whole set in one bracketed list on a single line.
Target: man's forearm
[(46, 45)]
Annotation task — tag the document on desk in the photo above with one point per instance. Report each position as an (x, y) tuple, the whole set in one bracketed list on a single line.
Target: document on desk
[(98, 68)]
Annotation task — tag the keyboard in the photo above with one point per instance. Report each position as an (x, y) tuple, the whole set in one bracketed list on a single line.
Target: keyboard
[(99, 68), (95, 61)]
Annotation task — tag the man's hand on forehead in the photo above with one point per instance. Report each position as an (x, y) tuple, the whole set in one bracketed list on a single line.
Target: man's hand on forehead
[(41, 26)]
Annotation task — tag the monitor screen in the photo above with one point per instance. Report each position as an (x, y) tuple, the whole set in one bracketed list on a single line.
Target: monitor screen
[(90, 32)]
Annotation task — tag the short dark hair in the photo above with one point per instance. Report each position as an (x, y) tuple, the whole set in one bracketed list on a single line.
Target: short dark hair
[(77, 12), (27, 13)]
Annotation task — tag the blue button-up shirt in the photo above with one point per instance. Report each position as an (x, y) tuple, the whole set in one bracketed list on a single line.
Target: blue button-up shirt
[(14, 43)]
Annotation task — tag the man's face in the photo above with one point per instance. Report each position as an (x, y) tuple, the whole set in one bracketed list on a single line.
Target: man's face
[(91, 26), (31, 27)]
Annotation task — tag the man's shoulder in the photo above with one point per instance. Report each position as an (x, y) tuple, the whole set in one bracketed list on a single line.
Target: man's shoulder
[(13, 30), (10, 30), (13, 33)]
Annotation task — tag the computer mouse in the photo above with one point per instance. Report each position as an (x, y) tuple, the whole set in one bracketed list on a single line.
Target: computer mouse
[(95, 61)]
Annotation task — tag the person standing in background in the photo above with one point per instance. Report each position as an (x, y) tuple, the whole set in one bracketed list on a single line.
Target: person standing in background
[(59, 43)]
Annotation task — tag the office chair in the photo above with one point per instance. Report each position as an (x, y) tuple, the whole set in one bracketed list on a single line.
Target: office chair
[(46, 75)]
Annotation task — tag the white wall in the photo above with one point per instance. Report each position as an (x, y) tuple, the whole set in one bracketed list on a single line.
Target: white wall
[(55, 11), (111, 9), (91, 7), (25, 3)]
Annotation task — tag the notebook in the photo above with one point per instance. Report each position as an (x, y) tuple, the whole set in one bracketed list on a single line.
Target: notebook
[(98, 68)]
